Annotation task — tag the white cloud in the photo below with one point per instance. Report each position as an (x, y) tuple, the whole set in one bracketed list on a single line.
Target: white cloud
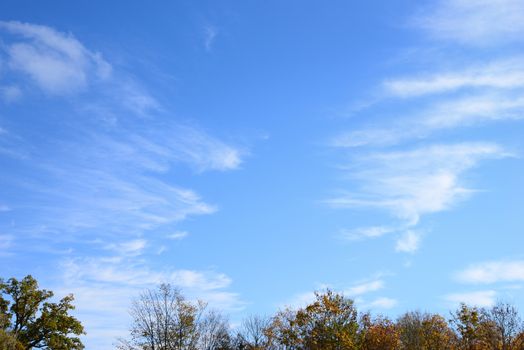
[(493, 272), (473, 110), (413, 183), (107, 183), (474, 22), (136, 99), (366, 232), (120, 184), (210, 33), (104, 288), (485, 298), (408, 243), (382, 303), (132, 248), (205, 152), (364, 288), (178, 235), (56, 62), (500, 74), (199, 280), (453, 112)]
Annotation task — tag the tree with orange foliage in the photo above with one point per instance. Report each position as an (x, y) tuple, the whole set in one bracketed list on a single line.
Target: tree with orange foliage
[(378, 334)]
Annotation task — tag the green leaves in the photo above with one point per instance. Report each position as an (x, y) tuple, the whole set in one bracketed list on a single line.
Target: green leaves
[(27, 315)]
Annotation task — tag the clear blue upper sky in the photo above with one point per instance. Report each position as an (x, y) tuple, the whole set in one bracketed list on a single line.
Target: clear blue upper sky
[(253, 152)]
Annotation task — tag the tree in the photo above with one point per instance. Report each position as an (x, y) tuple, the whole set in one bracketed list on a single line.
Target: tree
[(9, 342), (213, 332), (436, 334), (29, 320), (164, 320), (329, 323), (424, 331), (506, 324), (378, 334), (253, 334), (472, 328)]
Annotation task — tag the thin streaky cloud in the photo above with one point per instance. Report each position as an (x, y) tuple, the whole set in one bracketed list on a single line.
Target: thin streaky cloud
[(210, 34), (451, 113), (412, 183), (362, 233), (500, 74), (58, 63), (483, 298), (381, 303), (364, 288), (103, 182), (132, 247), (178, 235), (104, 288), (492, 272), (473, 22)]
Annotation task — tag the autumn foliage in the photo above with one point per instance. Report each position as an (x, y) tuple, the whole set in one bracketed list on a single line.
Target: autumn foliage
[(332, 322)]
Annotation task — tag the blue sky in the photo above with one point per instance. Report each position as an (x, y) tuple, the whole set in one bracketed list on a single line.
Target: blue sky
[(253, 152)]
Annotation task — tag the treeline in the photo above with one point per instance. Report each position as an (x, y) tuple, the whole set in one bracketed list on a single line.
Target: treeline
[(163, 319)]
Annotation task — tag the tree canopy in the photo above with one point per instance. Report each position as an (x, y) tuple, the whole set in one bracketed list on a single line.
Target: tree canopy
[(28, 319), (164, 320)]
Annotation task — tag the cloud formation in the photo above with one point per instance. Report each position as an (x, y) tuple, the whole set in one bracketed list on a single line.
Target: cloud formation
[(104, 181), (58, 63), (423, 175), (474, 22), (412, 183), (493, 272), (484, 298)]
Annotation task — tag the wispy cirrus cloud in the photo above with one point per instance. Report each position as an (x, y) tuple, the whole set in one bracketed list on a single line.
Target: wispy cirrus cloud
[(381, 303), (110, 175), (473, 22), (505, 73), (178, 235), (483, 298), (104, 288), (101, 178), (56, 62), (361, 233), (364, 288), (414, 182), (492, 272), (477, 109), (410, 184), (210, 34), (421, 180)]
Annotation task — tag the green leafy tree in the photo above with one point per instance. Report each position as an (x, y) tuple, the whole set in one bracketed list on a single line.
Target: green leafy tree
[(9, 342), (27, 316)]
